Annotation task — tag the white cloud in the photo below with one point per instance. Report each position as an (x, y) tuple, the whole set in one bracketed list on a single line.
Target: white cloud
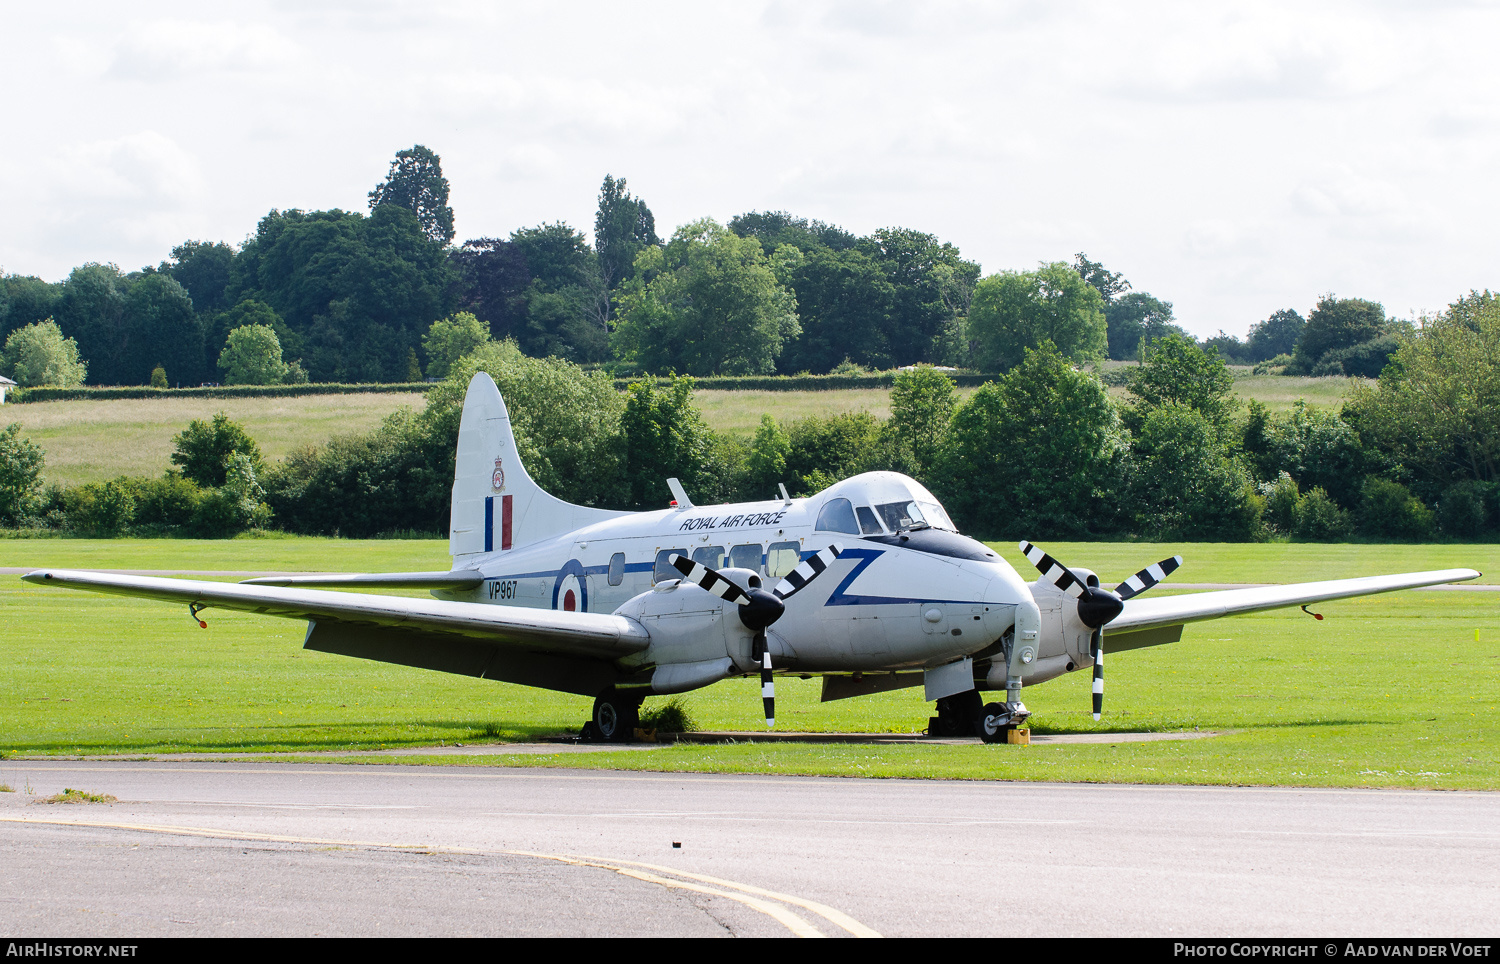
[(167, 49)]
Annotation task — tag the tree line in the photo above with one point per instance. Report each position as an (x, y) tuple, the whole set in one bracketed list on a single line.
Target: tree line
[(1043, 451), (345, 296)]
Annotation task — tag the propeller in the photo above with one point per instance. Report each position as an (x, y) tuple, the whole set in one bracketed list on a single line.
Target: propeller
[(1097, 607), (758, 608)]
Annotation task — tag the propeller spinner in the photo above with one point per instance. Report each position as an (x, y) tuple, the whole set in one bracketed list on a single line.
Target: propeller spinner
[(1097, 607), (759, 608)]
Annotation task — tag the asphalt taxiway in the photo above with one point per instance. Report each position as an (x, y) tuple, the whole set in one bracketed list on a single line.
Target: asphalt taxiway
[(215, 848)]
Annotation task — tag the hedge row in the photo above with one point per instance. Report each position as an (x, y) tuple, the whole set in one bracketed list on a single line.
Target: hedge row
[(803, 383), (223, 391), (727, 383)]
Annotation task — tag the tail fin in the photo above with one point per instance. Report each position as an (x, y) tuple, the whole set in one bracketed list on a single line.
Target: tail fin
[(496, 505)]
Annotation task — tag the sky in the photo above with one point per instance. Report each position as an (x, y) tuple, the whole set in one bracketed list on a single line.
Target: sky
[(1233, 158)]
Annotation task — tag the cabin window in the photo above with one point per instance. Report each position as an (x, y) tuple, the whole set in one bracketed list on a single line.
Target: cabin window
[(710, 556), (838, 516), (746, 557), (868, 524), (782, 559), (664, 570), (617, 569)]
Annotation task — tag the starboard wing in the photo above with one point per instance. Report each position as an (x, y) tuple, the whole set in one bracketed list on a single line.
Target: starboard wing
[(457, 579), (1155, 612)]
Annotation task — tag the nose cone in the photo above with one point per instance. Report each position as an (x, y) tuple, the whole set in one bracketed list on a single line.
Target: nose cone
[(1098, 606)]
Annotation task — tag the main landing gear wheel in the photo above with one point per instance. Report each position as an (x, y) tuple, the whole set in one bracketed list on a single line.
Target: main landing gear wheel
[(958, 715), (615, 718)]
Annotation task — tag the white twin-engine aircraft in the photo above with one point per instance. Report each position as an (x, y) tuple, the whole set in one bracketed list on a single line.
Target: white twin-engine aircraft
[(872, 588)]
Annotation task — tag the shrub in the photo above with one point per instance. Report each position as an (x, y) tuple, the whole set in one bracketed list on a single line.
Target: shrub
[(203, 449), (102, 508), (1463, 511), (1282, 501), (159, 377), (1388, 510), (1319, 519), (21, 463)]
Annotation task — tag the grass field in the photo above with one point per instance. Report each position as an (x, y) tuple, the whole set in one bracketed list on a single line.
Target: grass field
[(88, 441), (1396, 690)]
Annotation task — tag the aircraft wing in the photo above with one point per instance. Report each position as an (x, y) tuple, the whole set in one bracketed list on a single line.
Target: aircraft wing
[(404, 621), (457, 579), (1154, 613)]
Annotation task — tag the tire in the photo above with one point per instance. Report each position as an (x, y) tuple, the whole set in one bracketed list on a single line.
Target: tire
[(988, 726), (616, 717)]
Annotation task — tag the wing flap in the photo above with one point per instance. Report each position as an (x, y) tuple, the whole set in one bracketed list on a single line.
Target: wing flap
[(457, 579), (541, 630), (1150, 613)]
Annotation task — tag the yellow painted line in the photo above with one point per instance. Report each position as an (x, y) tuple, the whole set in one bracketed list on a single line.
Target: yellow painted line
[(747, 894), (823, 910)]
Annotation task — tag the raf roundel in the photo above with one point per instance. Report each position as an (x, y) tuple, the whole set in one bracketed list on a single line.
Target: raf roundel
[(497, 481)]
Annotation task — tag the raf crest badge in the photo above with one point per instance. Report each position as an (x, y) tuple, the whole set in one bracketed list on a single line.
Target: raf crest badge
[(498, 479)]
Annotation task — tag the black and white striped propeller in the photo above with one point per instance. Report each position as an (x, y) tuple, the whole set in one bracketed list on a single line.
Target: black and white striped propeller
[(758, 608), (1097, 606)]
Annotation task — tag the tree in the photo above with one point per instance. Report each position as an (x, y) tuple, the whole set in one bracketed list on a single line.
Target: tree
[(1315, 447), (846, 305), (451, 339), (1037, 453), (922, 405), (492, 282), (1277, 335), (622, 227), (1019, 310), (202, 451), (91, 311), (665, 437), (1436, 410), (707, 304), (416, 182), (252, 356), (1175, 371), (1109, 284), (1185, 486), (1135, 320), (202, 268), (766, 465), (26, 300), (1335, 324), (360, 291), (933, 287), (160, 326), (39, 355), (21, 462), (566, 300)]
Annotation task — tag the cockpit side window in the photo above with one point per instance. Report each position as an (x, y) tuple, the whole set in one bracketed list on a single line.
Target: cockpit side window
[(868, 524), (838, 516)]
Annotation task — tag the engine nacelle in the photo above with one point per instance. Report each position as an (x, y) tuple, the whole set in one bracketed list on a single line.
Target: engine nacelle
[(696, 637)]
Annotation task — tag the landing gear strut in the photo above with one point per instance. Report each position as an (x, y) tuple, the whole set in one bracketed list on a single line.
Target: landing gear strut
[(616, 716)]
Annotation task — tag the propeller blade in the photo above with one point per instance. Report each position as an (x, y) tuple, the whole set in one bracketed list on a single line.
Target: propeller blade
[(807, 572), (1098, 653), (1055, 572), (700, 575), (1147, 577), (761, 652)]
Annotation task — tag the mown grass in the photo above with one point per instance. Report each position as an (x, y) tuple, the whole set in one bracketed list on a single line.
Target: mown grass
[(1395, 690)]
